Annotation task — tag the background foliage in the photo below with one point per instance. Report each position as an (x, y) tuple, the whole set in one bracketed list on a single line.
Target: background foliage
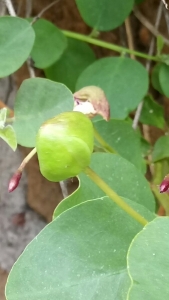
[(92, 248)]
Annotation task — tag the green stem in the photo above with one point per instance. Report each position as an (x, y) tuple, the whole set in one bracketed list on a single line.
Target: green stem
[(27, 159), (102, 142), (103, 44), (113, 196)]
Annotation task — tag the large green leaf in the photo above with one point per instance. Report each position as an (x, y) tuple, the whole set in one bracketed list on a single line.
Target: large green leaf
[(161, 149), (74, 60), (118, 134), (80, 255), (38, 100), (104, 15), (49, 45), (152, 113), (148, 262), (124, 88), (119, 174), (16, 41)]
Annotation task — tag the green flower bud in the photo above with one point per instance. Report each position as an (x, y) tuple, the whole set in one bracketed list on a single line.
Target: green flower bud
[(64, 145)]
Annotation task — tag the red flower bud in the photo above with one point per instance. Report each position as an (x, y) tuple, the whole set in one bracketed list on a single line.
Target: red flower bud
[(164, 186), (14, 181)]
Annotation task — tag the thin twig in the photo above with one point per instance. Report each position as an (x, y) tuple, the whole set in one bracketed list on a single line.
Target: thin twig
[(44, 10), (10, 8), (165, 3), (149, 26), (148, 64), (28, 8), (64, 188), (166, 15), (10, 89), (30, 68), (129, 36), (19, 7), (9, 5), (2, 8)]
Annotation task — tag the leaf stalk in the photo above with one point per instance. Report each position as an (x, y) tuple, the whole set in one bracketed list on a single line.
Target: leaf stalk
[(106, 45), (113, 196)]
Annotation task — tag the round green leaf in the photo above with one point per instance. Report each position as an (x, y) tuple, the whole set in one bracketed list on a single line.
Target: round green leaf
[(124, 89), (38, 100), (155, 78), (163, 79), (152, 113), (80, 255), (160, 76), (104, 15), (161, 149), (121, 175), (75, 59), (16, 41), (118, 134), (49, 45), (148, 262)]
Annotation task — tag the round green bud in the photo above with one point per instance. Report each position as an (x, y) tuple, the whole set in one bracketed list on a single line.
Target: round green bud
[(64, 145)]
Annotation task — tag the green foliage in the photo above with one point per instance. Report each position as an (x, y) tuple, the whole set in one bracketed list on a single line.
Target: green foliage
[(160, 78), (95, 247), (77, 56), (38, 100), (161, 149), (152, 113), (120, 175), (81, 254), (118, 133), (16, 41), (49, 45), (104, 15), (151, 244), (124, 89)]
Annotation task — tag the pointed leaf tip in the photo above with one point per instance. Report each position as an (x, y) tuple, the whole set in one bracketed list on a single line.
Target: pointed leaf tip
[(164, 186), (14, 182)]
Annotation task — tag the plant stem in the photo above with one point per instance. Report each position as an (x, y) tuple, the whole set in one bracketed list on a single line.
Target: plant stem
[(10, 8), (27, 159), (102, 142), (103, 44), (148, 65), (149, 26), (113, 196)]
